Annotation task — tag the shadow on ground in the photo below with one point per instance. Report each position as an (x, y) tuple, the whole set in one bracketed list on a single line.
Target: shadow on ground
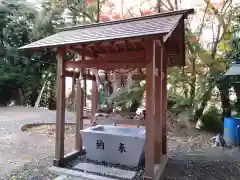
[(202, 169)]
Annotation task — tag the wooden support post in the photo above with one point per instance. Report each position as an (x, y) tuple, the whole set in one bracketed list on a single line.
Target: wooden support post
[(60, 113), (80, 108), (158, 104), (73, 89), (164, 107), (150, 110), (79, 112), (94, 98), (106, 84), (85, 90)]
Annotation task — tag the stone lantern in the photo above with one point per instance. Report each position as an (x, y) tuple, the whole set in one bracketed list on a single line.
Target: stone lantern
[(232, 76)]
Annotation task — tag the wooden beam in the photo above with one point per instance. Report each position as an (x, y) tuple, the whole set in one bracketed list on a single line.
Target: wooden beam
[(78, 117), (122, 41), (150, 110), (85, 89), (90, 51), (183, 44), (94, 100), (79, 112), (97, 47), (60, 113), (71, 73), (115, 46), (164, 56), (107, 64), (164, 106), (158, 104), (121, 55), (115, 56), (143, 43)]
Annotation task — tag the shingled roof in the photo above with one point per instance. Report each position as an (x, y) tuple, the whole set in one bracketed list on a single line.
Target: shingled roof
[(157, 24)]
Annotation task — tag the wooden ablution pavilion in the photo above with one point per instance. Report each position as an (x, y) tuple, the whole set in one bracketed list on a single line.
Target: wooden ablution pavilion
[(153, 42)]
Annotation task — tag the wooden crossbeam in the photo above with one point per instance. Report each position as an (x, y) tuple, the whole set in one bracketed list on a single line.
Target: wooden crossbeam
[(109, 55), (121, 55), (71, 74), (107, 64)]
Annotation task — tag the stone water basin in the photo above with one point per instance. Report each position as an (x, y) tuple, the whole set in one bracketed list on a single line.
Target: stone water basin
[(116, 145)]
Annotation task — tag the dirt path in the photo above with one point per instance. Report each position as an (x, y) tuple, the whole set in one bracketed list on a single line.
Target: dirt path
[(18, 148)]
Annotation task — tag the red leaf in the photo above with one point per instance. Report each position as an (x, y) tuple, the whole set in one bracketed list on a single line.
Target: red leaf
[(104, 18), (146, 12), (116, 16), (91, 1), (194, 39)]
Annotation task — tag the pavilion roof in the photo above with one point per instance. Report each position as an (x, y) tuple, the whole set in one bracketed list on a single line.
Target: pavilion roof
[(158, 24)]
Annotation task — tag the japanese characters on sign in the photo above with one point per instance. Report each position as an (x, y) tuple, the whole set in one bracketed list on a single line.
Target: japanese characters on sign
[(121, 148), (100, 145)]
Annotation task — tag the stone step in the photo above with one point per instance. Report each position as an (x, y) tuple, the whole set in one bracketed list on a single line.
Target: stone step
[(75, 175), (63, 177), (110, 171)]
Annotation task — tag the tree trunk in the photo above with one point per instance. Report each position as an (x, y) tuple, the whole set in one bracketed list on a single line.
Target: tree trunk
[(206, 97), (192, 85), (20, 97), (52, 96), (224, 95), (40, 95), (33, 97)]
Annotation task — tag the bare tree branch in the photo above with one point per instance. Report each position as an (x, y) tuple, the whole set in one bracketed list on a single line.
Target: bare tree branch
[(166, 6), (170, 4), (202, 23), (176, 4)]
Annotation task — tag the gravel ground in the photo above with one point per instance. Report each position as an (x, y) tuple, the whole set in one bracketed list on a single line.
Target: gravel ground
[(18, 148), (32, 171), (49, 132), (202, 170)]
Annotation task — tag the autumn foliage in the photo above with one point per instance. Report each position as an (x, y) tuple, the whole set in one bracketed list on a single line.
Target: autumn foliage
[(117, 16), (146, 12)]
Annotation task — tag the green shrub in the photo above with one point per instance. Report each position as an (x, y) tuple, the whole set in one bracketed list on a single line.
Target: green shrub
[(212, 120), (236, 106), (177, 103), (129, 101)]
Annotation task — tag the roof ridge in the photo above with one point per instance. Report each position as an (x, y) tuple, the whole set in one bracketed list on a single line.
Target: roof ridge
[(185, 12)]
